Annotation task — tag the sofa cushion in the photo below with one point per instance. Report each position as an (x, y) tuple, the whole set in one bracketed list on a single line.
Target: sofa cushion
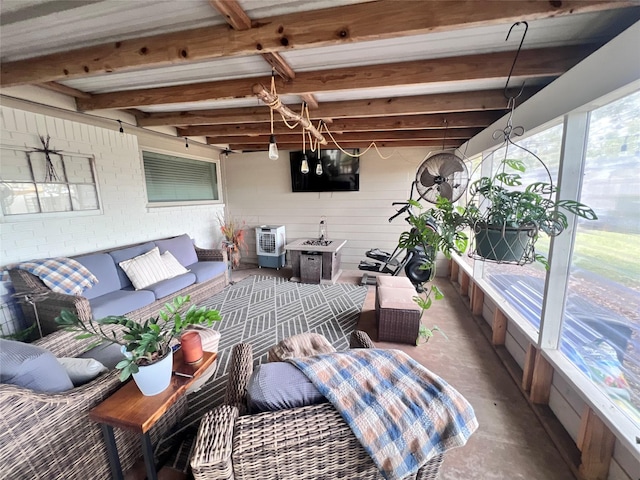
[(279, 386), (81, 370), (125, 254), (174, 267), (104, 269), (180, 247), (171, 285), (32, 367), (145, 269), (207, 270), (108, 354), (120, 302)]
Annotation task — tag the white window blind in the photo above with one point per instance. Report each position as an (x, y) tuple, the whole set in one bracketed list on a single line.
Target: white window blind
[(175, 179)]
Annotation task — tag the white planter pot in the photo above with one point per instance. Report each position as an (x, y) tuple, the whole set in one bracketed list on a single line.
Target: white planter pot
[(155, 378)]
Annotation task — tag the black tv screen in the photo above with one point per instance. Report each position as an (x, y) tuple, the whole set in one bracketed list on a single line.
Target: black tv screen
[(339, 172)]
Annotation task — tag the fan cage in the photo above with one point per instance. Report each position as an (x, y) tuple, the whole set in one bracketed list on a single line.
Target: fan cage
[(458, 180)]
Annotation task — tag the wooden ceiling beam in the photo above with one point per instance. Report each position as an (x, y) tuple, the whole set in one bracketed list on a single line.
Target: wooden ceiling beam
[(412, 122), (545, 62), (295, 136), (357, 144), (65, 90), (479, 100), (315, 28), (233, 13), (239, 20)]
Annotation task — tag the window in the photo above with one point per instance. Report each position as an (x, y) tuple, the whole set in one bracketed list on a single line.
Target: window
[(524, 285), (601, 318), (176, 179), (33, 182)]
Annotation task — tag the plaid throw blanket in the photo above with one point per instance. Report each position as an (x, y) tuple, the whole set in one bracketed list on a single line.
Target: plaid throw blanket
[(403, 414), (61, 274)]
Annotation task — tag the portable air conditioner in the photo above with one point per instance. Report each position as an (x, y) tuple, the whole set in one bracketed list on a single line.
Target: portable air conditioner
[(270, 241)]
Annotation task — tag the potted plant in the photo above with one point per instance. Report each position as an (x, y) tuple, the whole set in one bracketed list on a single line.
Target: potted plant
[(147, 345), (432, 230), (507, 221), (233, 231)]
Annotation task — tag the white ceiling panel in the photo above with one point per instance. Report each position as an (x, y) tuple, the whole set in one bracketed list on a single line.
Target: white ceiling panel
[(102, 22), (213, 70), (426, 89), (469, 41)]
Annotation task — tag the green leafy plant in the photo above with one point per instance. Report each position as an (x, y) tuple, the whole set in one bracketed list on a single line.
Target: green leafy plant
[(146, 342), (495, 203), (424, 302), (532, 206), (435, 229)]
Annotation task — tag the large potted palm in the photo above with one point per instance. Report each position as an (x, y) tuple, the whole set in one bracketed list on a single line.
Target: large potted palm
[(148, 355)]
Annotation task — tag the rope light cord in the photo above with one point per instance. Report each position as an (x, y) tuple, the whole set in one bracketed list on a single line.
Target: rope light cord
[(304, 114)]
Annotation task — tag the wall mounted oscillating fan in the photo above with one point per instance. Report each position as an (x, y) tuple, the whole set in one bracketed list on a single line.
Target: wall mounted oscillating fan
[(442, 174)]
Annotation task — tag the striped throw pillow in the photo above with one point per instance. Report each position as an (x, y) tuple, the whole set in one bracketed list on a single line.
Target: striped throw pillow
[(146, 269)]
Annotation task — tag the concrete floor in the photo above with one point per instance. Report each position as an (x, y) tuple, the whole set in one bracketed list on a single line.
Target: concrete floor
[(510, 442)]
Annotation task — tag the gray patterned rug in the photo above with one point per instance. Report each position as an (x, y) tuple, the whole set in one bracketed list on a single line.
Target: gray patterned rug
[(263, 310)]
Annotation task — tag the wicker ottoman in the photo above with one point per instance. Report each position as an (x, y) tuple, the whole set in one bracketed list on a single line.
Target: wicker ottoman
[(395, 282), (397, 315)]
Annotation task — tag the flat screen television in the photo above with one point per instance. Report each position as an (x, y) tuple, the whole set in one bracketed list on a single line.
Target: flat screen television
[(340, 172)]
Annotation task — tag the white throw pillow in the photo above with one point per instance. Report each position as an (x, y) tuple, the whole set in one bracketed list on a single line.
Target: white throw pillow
[(174, 267), (82, 370), (145, 269)]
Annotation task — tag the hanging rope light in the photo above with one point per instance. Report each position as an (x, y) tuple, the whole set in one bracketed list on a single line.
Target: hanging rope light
[(273, 147)]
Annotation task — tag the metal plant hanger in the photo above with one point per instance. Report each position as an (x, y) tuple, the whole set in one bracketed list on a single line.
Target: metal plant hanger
[(495, 237)]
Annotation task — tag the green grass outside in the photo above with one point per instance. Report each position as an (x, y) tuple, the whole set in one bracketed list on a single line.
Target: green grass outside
[(613, 255)]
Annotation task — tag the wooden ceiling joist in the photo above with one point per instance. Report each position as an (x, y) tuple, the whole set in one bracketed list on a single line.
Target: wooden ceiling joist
[(480, 100), (547, 62), (357, 144), (393, 135), (316, 28), (233, 13), (412, 122)]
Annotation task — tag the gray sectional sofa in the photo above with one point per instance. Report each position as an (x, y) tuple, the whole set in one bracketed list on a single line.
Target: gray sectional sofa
[(115, 295)]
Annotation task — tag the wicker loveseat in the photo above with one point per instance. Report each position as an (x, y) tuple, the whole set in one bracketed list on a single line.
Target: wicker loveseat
[(114, 293), (50, 436), (311, 442)]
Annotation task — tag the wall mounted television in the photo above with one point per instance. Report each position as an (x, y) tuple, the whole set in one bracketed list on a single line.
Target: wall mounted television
[(340, 172)]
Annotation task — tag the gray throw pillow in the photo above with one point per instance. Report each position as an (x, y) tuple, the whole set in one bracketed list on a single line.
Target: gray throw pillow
[(32, 367), (279, 386)]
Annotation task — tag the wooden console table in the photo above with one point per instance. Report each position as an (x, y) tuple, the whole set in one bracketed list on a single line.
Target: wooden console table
[(129, 409), (328, 259)]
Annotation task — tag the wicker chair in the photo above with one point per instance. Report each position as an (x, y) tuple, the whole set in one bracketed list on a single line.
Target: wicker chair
[(50, 436), (304, 443)]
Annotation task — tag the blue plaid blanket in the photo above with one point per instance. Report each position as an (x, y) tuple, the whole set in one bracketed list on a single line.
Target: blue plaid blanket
[(61, 274), (403, 414)]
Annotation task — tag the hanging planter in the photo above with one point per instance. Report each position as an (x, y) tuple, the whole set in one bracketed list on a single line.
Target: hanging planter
[(506, 244)]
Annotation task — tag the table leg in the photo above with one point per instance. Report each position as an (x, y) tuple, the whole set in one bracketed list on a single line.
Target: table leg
[(149, 460), (112, 451)]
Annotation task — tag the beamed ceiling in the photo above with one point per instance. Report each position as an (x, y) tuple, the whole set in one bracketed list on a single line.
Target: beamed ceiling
[(400, 73)]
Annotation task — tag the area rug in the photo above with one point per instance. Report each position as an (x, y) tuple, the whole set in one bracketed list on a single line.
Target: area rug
[(261, 311)]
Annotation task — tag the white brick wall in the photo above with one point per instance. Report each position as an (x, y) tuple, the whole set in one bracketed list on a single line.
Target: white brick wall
[(124, 218)]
